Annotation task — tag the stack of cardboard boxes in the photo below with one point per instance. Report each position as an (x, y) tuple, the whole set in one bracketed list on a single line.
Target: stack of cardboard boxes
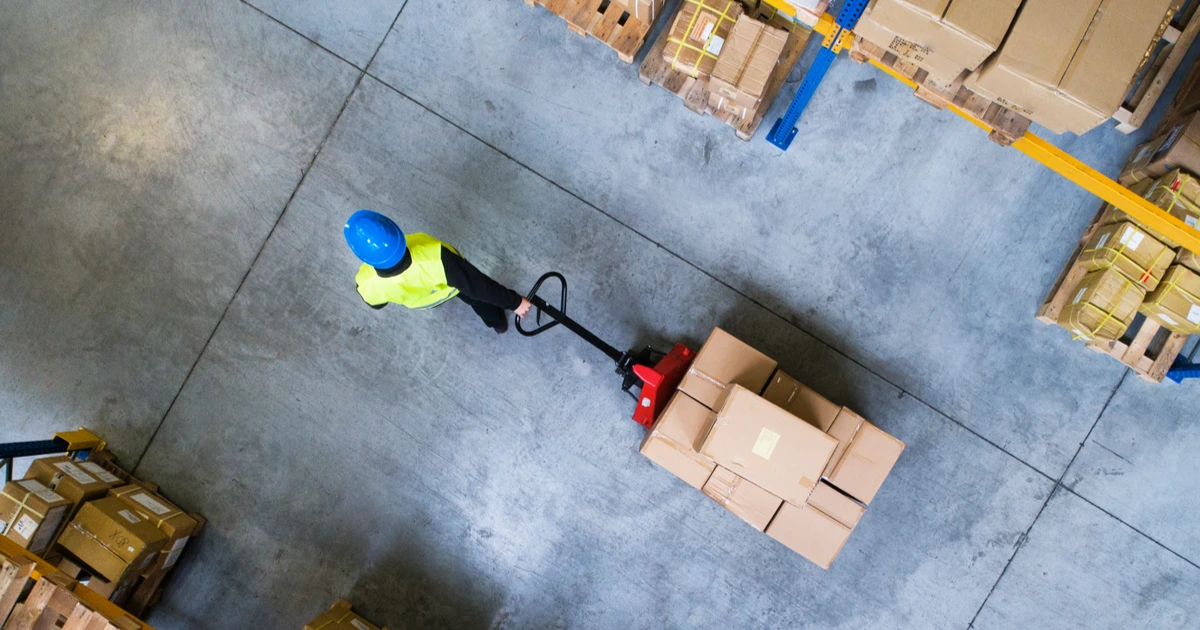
[(713, 40), (773, 452), (91, 521), (1065, 64), (1135, 269), (340, 617)]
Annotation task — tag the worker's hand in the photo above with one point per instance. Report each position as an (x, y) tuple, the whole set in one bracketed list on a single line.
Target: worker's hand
[(523, 309)]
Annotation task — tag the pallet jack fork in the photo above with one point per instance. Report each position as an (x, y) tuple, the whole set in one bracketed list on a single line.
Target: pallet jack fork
[(656, 374)]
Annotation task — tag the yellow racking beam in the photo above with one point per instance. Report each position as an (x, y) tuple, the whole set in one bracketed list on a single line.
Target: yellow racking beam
[(1089, 179)]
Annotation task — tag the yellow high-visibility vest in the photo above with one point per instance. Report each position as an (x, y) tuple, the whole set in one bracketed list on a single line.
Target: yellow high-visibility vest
[(421, 286)]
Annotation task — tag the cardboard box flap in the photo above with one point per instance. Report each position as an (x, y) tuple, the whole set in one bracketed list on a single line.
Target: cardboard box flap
[(836, 504), (866, 463), (671, 443), (810, 533), (800, 401), (1045, 37), (724, 360), (985, 20), (744, 499)]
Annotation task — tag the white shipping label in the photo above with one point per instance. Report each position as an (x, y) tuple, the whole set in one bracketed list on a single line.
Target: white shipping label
[(358, 624), (715, 44), (151, 504), (98, 470), (75, 473), (172, 558), (708, 30), (765, 445), (1190, 221), (1079, 296), (1167, 318), (25, 527), (1144, 152), (180, 544), (1136, 240), (1194, 314), (3, 526), (1103, 240), (41, 492), (130, 516)]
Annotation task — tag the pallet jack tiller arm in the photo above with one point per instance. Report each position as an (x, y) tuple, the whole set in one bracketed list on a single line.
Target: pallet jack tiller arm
[(657, 374)]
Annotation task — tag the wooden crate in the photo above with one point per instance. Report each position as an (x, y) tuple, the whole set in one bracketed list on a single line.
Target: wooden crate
[(1170, 47), (1147, 348), (607, 21), (656, 70), (1007, 125)]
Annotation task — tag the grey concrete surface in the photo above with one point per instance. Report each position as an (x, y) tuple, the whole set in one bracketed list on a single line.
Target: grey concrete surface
[(441, 476), (1082, 569), (897, 234), (351, 30), (1140, 464), (137, 184), (500, 478)]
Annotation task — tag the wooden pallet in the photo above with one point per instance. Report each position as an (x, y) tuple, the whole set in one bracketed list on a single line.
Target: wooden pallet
[(604, 20), (1147, 348), (656, 70), (53, 602), (1170, 47), (1007, 125)]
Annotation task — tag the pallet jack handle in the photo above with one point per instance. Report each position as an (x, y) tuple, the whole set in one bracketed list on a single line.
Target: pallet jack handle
[(559, 315)]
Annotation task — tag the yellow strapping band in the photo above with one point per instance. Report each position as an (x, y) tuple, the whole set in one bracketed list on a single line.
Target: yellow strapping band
[(1108, 315), (1165, 288), (1147, 273), (21, 505), (722, 17)]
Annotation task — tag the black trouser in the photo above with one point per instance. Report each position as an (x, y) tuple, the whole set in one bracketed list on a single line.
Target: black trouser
[(492, 315)]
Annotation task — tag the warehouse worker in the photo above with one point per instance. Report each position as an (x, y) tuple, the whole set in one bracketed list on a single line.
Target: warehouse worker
[(421, 272)]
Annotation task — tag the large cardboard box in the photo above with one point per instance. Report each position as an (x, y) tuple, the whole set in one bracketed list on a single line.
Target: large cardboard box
[(864, 456), (1067, 64), (67, 478), (949, 36), (800, 401), (31, 513), (1175, 304), (1104, 306), (1188, 259), (672, 442), (112, 540), (169, 519), (698, 35), (1177, 148), (746, 500), (768, 446), (340, 617), (745, 65), (1130, 250), (643, 10), (810, 533), (722, 362), (1176, 192)]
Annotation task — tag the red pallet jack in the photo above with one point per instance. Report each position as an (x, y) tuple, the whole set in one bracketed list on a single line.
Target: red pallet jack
[(656, 374)]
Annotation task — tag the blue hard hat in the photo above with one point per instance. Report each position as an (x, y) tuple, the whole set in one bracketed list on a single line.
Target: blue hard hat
[(375, 239)]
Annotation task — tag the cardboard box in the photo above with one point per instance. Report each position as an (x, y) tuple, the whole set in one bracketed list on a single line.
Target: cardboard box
[(67, 478), (1177, 148), (339, 617), (1104, 306), (1162, 198), (725, 361), (1130, 250), (956, 35), (810, 533), (768, 446), (698, 35), (837, 504), (672, 442), (31, 513), (864, 456), (112, 540), (1068, 63), (643, 10), (746, 500), (800, 401), (1188, 259), (1175, 304), (169, 519), (745, 65), (943, 68)]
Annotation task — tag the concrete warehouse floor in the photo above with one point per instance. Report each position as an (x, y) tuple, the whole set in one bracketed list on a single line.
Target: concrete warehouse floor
[(174, 176)]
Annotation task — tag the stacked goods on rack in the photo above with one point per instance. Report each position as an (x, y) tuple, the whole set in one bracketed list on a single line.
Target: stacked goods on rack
[(620, 24), (771, 451), (69, 512), (340, 617), (1123, 268), (725, 61), (1065, 64), (806, 12), (34, 596)]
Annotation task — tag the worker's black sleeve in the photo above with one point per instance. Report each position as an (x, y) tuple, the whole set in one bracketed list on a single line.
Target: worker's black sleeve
[(472, 283)]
